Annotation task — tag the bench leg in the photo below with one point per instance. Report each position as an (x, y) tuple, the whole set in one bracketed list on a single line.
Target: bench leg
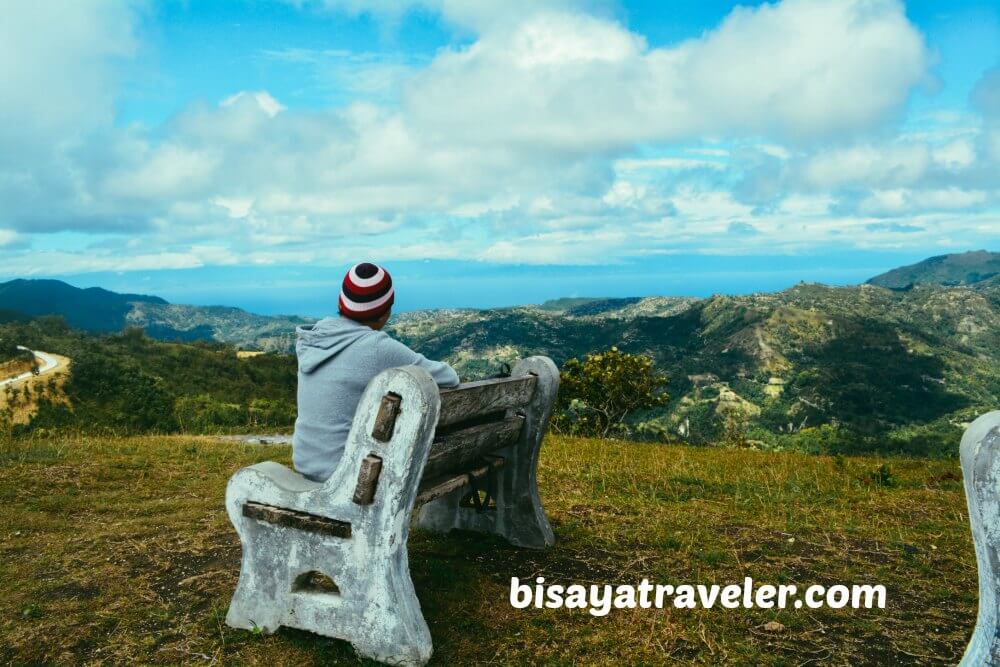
[(378, 611), (393, 629), (519, 517), (261, 596), (981, 469)]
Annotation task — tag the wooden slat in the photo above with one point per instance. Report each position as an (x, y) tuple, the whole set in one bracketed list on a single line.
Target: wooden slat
[(364, 491), (385, 420), (478, 398), (461, 449), (311, 523), (435, 488)]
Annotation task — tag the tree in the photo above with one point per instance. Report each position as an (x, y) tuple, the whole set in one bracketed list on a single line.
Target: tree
[(597, 394)]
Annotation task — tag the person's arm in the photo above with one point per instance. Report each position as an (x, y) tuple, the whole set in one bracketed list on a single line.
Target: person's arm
[(396, 354)]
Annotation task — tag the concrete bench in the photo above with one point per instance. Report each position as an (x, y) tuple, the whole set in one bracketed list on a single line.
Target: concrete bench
[(981, 469), (331, 557)]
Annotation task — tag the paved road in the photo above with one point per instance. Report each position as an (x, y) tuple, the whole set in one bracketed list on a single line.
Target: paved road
[(49, 363)]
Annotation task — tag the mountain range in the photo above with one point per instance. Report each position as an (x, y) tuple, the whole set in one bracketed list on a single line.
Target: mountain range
[(913, 353), (101, 311), (966, 268)]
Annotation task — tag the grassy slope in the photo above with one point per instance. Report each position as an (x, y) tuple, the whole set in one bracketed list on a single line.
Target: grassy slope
[(119, 551)]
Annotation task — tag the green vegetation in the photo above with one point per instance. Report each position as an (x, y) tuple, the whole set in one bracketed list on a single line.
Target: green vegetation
[(128, 383), (813, 368), (9, 352), (118, 551), (597, 394)]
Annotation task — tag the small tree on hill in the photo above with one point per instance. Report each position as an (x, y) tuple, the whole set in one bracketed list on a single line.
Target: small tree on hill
[(597, 394)]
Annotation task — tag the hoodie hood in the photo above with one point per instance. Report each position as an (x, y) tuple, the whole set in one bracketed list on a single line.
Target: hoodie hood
[(320, 342)]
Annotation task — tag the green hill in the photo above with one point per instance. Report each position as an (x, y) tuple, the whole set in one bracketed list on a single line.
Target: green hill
[(958, 269), (875, 369)]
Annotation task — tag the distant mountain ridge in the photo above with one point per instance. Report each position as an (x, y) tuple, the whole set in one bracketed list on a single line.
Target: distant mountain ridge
[(966, 268), (102, 311), (911, 363), (91, 309)]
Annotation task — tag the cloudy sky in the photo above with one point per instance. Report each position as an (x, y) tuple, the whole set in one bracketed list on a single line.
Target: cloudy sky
[(492, 152)]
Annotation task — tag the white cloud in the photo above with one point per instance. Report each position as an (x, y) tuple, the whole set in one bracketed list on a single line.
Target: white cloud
[(956, 154), (166, 173), (672, 163), (556, 248), (521, 145), (236, 207), (261, 98), (578, 82), (58, 81), (712, 205), (57, 76), (9, 237), (897, 164), (806, 205), (624, 193), (902, 200)]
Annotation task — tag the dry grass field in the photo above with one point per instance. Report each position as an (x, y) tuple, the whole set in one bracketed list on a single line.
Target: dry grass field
[(118, 551)]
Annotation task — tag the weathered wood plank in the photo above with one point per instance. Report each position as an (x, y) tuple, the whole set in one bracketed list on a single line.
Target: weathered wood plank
[(281, 516), (432, 489), (462, 449), (385, 420), (477, 398), (364, 492)]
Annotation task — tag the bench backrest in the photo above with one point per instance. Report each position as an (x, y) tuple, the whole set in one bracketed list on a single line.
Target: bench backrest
[(475, 419), (478, 418)]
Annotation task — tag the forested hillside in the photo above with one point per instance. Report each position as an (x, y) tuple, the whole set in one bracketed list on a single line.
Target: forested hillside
[(814, 368), (129, 383)]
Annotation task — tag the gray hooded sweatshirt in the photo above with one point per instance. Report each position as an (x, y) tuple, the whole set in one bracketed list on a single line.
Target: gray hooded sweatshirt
[(338, 357)]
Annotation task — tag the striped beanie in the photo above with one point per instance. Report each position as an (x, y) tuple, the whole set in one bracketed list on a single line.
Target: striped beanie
[(367, 292)]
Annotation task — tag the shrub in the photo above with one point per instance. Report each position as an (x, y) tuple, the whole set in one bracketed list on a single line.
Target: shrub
[(265, 412), (119, 395), (598, 393), (828, 439), (202, 413)]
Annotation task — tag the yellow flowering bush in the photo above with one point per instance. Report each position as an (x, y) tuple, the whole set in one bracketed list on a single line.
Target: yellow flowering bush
[(598, 393)]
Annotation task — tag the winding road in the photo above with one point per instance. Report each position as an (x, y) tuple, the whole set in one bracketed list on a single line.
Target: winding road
[(49, 363)]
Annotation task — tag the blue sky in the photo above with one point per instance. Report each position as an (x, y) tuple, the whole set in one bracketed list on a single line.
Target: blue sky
[(492, 153)]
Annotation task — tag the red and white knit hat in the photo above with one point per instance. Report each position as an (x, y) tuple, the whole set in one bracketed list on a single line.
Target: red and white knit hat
[(367, 292)]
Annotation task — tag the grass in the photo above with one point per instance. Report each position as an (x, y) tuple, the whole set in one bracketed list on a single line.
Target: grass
[(118, 551)]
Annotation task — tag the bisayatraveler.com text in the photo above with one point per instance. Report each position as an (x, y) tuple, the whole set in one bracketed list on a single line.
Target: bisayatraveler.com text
[(600, 599)]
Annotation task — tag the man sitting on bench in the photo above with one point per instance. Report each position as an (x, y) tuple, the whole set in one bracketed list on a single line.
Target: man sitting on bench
[(338, 357)]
